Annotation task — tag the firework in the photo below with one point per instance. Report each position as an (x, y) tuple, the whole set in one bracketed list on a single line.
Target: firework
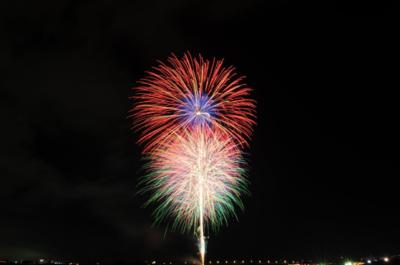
[(192, 92), (196, 164), (194, 117)]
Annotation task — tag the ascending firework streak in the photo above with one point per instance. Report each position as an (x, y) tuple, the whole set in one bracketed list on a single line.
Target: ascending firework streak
[(195, 117)]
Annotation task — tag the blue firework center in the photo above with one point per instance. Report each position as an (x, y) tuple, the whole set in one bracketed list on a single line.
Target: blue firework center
[(198, 110)]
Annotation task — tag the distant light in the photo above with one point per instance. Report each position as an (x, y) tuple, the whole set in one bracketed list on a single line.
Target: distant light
[(242, 261), (369, 261), (153, 262), (41, 260), (348, 263), (386, 259)]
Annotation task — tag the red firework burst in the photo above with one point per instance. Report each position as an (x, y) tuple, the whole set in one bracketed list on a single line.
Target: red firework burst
[(191, 92)]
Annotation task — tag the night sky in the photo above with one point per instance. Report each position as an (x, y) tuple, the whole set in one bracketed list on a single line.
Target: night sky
[(323, 160)]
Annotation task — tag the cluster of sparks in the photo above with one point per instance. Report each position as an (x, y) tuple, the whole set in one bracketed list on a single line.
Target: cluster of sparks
[(194, 117)]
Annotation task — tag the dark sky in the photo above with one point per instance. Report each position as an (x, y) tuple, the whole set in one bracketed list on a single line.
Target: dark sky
[(323, 161)]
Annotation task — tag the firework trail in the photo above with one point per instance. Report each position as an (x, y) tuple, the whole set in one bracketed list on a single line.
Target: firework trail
[(194, 117)]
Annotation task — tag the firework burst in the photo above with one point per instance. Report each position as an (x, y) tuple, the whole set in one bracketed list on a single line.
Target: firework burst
[(192, 92), (196, 164), (194, 118)]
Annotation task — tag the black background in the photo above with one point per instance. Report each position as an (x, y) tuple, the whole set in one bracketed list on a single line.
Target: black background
[(323, 160)]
